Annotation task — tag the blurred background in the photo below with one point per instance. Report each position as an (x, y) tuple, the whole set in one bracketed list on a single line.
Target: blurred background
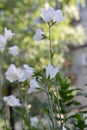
[(23, 17), (68, 38)]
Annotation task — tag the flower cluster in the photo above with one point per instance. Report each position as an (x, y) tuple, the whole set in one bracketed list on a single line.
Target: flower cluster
[(60, 98), (49, 16), (27, 73)]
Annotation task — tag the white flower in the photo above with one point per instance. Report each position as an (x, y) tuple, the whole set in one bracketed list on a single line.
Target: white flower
[(11, 101), (58, 16), (64, 128), (27, 73), (3, 38), (51, 71), (33, 86), (47, 14), (38, 35), (13, 73), (8, 33), (2, 43), (14, 50), (34, 121)]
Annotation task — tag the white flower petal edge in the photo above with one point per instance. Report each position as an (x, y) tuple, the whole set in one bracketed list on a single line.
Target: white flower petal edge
[(14, 50), (11, 101), (38, 35), (8, 33), (33, 86), (51, 71)]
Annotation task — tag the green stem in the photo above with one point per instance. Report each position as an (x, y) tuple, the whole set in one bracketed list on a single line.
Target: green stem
[(58, 105), (1, 82), (24, 104), (51, 109), (1, 75), (5, 124), (64, 120), (26, 97), (50, 43), (48, 93)]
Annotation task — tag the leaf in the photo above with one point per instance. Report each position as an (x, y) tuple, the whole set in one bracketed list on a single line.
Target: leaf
[(73, 102), (76, 103)]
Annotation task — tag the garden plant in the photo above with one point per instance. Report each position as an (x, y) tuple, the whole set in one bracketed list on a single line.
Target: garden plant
[(60, 97)]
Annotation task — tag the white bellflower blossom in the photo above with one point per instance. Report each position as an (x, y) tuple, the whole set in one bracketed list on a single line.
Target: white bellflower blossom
[(58, 16), (51, 15), (33, 86), (39, 35), (8, 33), (3, 38), (11, 101), (34, 121), (64, 128), (51, 71), (14, 50), (13, 73), (27, 73), (47, 14)]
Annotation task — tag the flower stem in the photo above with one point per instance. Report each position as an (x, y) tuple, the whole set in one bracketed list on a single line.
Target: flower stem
[(48, 92), (1, 75), (50, 43), (24, 105), (6, 127), (58, 104), (51, 109)]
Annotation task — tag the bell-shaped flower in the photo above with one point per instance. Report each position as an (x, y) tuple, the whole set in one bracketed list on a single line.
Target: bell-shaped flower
[(47, 14), (11, 101), (34, 121), (51, 71), (33, 86), (64, 128), (8, 33), (27, 73), (51, 15), (2, 43), (13, 73), (39, 35), (14, 50), (58, 16)]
